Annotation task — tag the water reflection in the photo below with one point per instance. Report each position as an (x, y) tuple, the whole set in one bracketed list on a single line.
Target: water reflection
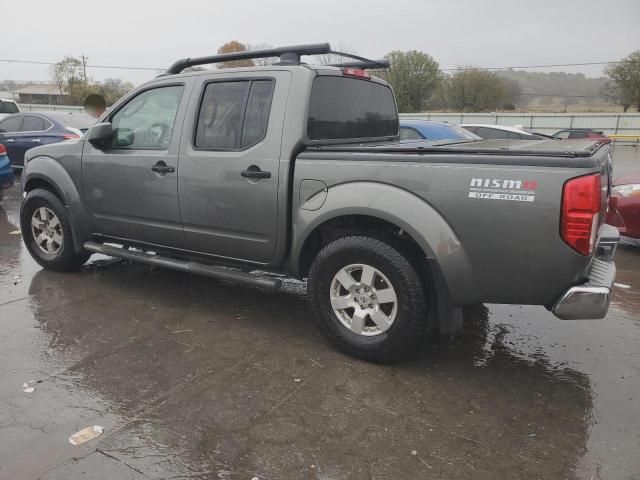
[(232, 381)]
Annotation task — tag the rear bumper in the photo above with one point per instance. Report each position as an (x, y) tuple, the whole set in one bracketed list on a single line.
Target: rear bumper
[(591, 299)]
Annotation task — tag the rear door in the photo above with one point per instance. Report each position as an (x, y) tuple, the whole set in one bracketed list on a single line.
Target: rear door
[(131, 187), (229, 164), (34, 132), (9, 133)]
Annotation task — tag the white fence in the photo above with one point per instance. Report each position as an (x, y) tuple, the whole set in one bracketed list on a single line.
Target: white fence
[(609, 123), (34, 107)]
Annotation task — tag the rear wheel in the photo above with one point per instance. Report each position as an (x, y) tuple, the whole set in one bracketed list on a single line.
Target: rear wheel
[(368, 299), (46, 230)]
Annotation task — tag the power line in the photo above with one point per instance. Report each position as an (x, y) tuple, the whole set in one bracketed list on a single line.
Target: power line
[(117, 67), (449, 69)]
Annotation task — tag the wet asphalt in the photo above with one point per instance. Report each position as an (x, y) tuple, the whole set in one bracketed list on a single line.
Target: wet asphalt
[(194, 378)]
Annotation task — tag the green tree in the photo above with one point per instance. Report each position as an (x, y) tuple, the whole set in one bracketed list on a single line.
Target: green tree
[(414, 76), (474, 90), (624, 76), (234, 46), (114, 88), (68, 75)]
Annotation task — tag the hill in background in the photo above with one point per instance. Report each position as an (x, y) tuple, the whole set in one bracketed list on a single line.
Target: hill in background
[(559, 92)]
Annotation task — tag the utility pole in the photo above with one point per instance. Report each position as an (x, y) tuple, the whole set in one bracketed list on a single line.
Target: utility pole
[(84, 68)]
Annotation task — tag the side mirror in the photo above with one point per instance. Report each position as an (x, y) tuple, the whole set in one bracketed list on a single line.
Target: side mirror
[(100, 135)]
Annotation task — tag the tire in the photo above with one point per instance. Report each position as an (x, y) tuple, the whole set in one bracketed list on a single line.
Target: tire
[(61, 255), (406, 320)]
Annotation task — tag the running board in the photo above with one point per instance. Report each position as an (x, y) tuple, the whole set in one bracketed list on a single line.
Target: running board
[(261, 282)]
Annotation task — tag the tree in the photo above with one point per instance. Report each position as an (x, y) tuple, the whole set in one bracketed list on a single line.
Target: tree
[(624, 79), (230, 47), (474, 90), (68, 75), (263, 61), (414, 76), (114, 88)]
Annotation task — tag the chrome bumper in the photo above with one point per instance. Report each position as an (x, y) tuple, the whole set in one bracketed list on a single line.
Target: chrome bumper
[(591, 299)]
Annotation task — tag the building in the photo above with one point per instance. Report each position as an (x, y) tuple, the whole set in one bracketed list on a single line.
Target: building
[(42, 94)]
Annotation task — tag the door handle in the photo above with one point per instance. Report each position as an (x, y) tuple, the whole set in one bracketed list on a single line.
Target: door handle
[(9, 140), (162, 168), (35, 140), (254, 172)]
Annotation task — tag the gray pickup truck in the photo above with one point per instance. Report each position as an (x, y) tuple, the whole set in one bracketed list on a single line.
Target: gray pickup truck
[(296, 169)]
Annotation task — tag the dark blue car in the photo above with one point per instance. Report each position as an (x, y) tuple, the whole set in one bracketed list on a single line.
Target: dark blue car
[(6, 172), (430, 130), (21, 131)]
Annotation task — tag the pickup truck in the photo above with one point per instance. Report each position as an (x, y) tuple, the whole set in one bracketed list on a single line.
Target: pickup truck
[(249, 173)]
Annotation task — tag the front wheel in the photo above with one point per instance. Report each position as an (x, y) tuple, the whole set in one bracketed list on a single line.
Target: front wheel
[(368, 299), (46, 230)]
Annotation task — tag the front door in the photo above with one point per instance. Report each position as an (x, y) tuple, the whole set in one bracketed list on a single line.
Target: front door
[(228, 183), (131, 187)]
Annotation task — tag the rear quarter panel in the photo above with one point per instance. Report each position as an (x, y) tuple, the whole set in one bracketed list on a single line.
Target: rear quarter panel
[(509, 251)]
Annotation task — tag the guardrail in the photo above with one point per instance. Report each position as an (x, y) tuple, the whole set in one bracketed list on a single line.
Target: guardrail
[(34, 107), (609, 123)]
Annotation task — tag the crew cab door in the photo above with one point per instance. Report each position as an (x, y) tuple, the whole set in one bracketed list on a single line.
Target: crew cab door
[(131, 186), (228, 182)]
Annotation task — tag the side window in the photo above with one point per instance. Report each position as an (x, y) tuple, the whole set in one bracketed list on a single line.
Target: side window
[(491, 133), (31, 123), (561, 134), (256, 118), (11, 124), (233, 115), (407, 133), (146, 121), (578, 135)]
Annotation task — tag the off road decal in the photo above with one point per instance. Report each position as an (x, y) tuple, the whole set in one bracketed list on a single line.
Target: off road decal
[(503, 189)]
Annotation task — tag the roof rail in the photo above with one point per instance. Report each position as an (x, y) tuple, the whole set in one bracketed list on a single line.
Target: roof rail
[(288, 56)]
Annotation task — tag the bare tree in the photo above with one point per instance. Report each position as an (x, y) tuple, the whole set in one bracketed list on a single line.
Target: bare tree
[(263, 61)]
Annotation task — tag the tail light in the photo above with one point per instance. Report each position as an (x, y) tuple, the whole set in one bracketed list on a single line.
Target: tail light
[(3, 150), (355, 72), (70, 136), (581, 212)]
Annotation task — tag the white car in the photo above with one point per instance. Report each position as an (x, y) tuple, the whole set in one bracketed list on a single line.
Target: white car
[(7, 107), (490, 131)]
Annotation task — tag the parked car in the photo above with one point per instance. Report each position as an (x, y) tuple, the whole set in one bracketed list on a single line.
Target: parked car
[(501, 132), (577, 133), (6, 172), (430, 130), (298, 169), (21, 131), (7, 107), (624, 205)]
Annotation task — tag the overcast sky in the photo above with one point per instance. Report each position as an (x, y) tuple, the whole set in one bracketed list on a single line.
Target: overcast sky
[(456, 32)]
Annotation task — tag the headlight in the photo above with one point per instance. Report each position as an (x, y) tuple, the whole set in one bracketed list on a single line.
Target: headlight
[(631, 190)]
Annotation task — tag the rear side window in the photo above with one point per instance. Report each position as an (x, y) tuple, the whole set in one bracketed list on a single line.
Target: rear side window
[(408, 133), (32, 123), (578, 135), (495, 133), (234, 115), (11, 124), (350, 108), (8, 107)]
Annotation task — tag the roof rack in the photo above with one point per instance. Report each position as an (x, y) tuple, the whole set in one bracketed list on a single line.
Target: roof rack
[(288, 56)]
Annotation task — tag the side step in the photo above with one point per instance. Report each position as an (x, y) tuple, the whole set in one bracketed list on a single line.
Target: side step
[(261, 282)]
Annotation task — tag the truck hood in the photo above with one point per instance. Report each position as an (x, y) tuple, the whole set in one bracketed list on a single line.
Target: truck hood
[(56, 150)]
